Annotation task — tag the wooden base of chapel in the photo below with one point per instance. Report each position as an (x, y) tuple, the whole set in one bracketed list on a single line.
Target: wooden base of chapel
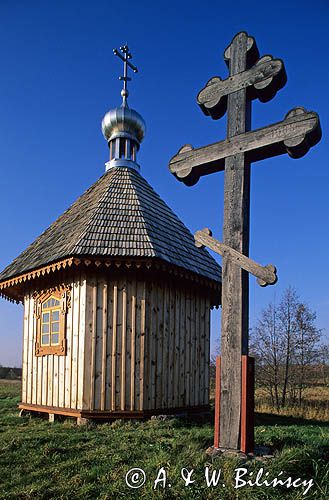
[(112, 415), (135, 345)]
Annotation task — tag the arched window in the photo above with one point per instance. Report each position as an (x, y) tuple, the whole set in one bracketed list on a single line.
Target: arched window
[(50, 317), (50, 312)]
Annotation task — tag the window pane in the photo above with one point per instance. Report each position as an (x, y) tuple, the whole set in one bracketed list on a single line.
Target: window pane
[(54, 338), (55, 327), (122, 148), (45, 339), (45, 328), (55, 316), (45, 318)]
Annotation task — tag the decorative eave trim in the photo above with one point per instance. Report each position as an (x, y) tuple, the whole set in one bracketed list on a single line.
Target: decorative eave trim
[(95, 263), (36, 273)]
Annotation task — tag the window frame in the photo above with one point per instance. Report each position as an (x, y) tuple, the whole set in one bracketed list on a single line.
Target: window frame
[(63, 296)]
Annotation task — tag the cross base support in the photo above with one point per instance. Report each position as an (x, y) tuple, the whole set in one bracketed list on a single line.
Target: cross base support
[(247, 404)]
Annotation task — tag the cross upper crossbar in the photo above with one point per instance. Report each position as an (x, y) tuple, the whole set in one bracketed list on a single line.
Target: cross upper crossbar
[(262, 82)]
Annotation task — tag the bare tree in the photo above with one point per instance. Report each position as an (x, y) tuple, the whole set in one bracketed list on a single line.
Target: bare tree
[(266, 345), (306, 350), (287, 311), (285, 342)]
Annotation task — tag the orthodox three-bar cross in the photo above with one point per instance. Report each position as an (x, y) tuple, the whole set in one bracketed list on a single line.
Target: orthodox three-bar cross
[(125, 56), (250, 78)]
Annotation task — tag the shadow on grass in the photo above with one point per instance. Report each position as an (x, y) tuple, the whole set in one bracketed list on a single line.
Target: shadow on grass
[(271, 419), (267, 419)]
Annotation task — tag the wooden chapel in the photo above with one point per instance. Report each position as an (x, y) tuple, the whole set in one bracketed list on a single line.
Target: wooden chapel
[(116, 297)]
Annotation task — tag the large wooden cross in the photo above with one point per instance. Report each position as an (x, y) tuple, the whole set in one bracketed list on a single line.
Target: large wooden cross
[(249, 78)]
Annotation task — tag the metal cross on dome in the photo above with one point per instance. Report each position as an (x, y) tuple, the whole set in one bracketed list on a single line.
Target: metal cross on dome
[(125, 56)]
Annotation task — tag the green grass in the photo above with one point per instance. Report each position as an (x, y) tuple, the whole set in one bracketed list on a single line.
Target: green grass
[(63, 461)]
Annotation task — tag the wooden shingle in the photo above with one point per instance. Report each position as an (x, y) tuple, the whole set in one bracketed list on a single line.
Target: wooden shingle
[(119, 215)]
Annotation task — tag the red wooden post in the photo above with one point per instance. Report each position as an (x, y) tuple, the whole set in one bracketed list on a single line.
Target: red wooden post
[(217, 403), (247, 404)]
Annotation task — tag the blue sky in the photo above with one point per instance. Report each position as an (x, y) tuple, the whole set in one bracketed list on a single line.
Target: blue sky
[(59, 77)]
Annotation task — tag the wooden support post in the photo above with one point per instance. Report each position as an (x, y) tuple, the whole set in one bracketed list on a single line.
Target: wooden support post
[(247, 404), (82, 421), (217, 403), (51, 417)]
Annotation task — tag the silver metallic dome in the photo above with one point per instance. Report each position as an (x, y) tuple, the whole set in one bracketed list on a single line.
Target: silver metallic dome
[(123, 122)]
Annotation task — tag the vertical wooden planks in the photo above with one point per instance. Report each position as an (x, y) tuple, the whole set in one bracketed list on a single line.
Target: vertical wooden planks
[(61, 382), (118, 355), (81, 347), (165, 347), (127, 353), (68, 362), (177, 373), (147, 345), (202, 350), (76, 290), (123, 347), (98, 333), (89, 342), (159, 346), (183, 348), (56, 380), (188, 348), (114, 344), (192, 346), (44, 380), (109, 357), (50, 379), (25, 349), (171, 346), (133, 346), (155, 336), (197, 349), (142, 348), (138, 344), (207, 351), (38, 359), (31, 358), (104, 344)]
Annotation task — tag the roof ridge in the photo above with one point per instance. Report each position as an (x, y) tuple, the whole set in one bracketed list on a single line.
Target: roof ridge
[(111, 173), (110, 187), (172, 213)]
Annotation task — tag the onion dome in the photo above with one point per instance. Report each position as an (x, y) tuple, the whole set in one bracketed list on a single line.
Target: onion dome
[(123, 127)]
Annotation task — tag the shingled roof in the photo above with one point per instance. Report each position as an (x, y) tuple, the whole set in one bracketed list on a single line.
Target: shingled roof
[(118, 216)]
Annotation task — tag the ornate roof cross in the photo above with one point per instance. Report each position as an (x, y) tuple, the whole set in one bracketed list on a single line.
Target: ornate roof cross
[(249, 78), (125, 56)]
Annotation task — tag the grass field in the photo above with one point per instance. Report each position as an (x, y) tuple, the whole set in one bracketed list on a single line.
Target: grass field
[(39, 460)]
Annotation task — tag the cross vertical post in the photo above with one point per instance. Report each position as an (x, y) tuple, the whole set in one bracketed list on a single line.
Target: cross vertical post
[(235, 282)]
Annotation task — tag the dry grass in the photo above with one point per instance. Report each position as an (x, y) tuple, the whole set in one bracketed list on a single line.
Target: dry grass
[(315, 405)]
